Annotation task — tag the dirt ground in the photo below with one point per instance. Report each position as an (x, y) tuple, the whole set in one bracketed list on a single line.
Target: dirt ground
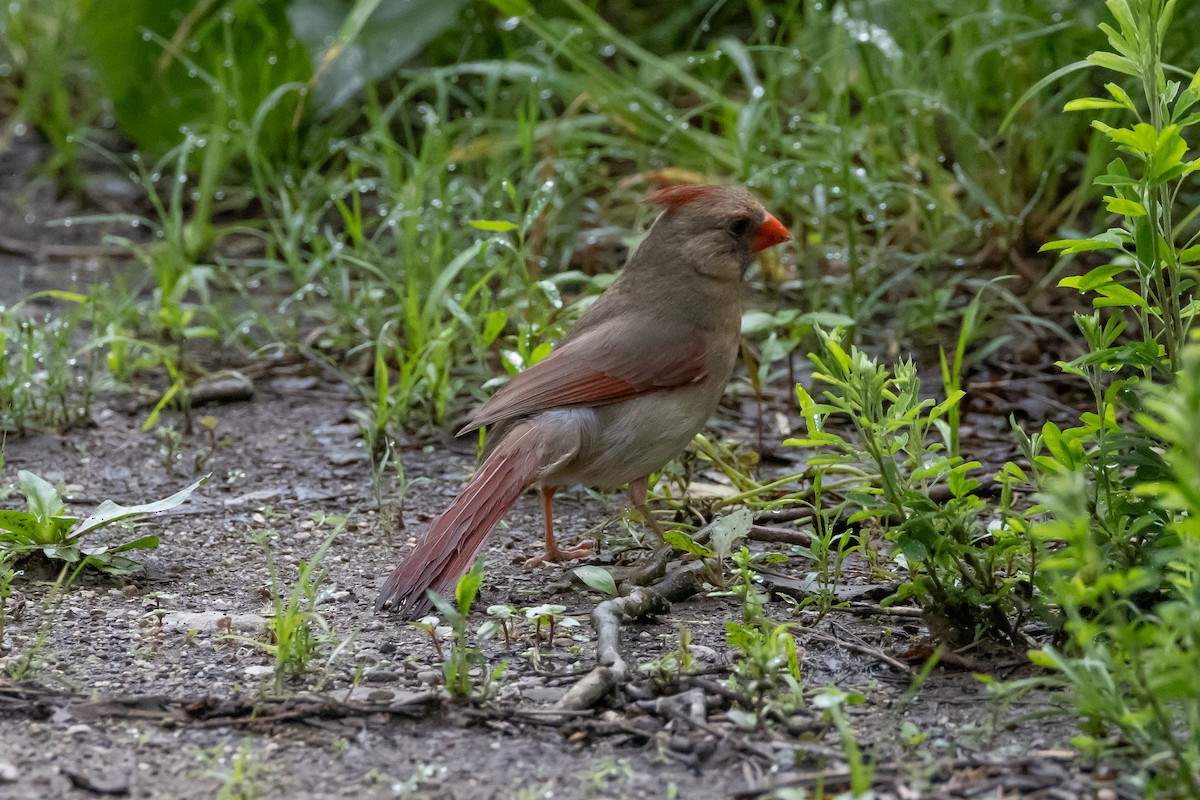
[(142, 693)]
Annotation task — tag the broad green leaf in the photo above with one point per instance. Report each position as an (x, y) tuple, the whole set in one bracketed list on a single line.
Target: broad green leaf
[(1127, 208), (1168, 154), (21, 523), (1070, 246), (1115, 294), (729, 529), (356, 42), (110, 512), (468, 586), (41, 498), (1093, 278), (681, 541), (598, 578), (1114, 62), (149, 542), (162, 66)]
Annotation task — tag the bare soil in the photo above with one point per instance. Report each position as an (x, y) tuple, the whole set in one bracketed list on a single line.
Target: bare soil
[(132, 699)]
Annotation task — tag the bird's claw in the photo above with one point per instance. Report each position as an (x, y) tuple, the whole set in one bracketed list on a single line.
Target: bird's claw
[(582, 550)]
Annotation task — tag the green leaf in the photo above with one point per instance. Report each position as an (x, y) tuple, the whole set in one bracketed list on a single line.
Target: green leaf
[(356, 42), (495, 225), (468, 586), (21, 523), (729, 529), (1127, 208), (1092, 279), (162, 75), (598, 578), (1115, 294), (1114, 62), (149, 542), (681, 541), (1168, 154), (110, 512), (1088, 103), (41, 498)]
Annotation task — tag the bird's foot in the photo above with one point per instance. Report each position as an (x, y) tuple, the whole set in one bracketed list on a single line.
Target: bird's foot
[(553, 556)]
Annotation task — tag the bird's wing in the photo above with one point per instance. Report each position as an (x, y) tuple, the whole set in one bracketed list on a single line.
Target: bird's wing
[(600, 367)]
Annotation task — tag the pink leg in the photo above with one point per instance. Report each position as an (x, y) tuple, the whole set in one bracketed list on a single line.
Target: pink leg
[(637, 494), (553, 553)]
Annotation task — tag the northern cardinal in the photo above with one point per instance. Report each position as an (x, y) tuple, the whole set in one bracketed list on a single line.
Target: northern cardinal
[(637, 377)]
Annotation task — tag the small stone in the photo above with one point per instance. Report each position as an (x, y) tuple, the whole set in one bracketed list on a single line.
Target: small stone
[(8, 771), (429, 677), (79, 729), (381, 676), (543, 694), (258, 670)]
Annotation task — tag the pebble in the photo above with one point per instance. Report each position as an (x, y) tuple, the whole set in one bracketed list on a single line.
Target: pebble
[(258, 670), (381, 676), (8, 771), (79, 729), (212, 622), (430, 677), (543, 694)]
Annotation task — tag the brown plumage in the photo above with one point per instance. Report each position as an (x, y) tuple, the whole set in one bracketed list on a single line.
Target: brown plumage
[(624, 392)]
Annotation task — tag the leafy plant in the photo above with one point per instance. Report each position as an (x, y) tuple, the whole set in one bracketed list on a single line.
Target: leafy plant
[(45, 528), (862, 772), (299, 632), (239, 774), (46, 379), (767, 667), (961, 573), (465, 658)]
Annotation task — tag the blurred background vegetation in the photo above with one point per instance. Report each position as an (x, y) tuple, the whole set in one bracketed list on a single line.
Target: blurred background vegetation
[(433, 185)]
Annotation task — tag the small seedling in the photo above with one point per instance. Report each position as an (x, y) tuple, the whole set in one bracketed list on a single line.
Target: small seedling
[(466, 658), (299, 631), (239, 775), (504, 615)]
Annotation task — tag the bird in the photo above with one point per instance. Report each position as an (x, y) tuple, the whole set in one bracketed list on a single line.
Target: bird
[(625, 391)]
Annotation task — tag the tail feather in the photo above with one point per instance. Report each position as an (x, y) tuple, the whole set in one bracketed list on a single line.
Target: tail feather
[(456, 536)]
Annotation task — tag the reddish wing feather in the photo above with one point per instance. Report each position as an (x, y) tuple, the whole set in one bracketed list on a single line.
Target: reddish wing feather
[(576, 375)]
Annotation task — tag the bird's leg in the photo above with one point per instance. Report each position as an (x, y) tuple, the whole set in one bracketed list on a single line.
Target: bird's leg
[(553, 554), (637, 494)]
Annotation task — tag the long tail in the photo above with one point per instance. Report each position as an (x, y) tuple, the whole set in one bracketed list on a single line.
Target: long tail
[(450, 545)]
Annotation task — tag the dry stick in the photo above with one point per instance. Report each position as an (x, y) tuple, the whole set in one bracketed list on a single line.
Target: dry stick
[(770, 533), (611, 669), (876, 610), (858, 648)]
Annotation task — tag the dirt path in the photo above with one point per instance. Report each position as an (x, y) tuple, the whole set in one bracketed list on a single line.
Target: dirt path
[(291, 454)]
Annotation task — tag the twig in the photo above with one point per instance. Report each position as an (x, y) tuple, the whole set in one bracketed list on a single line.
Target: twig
[(858, 648), (770, 533)]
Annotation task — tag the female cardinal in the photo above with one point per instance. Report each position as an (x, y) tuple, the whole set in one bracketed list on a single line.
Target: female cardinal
[(624, 392)]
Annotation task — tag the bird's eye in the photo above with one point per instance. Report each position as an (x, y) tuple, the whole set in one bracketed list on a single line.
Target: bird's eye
[(740, 225)]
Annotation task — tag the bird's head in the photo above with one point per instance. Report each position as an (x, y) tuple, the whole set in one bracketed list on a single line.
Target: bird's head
[(716, 230)]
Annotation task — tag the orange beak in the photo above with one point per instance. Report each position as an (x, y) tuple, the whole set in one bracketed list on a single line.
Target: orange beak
[(770, 233)]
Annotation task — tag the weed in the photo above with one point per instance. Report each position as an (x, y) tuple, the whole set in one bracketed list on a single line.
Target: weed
[(953, 561), (862, 772), (299, 632), (239, 773), (30, 659), (45, 528), (465, 668), (45, 381), (767, 669)]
